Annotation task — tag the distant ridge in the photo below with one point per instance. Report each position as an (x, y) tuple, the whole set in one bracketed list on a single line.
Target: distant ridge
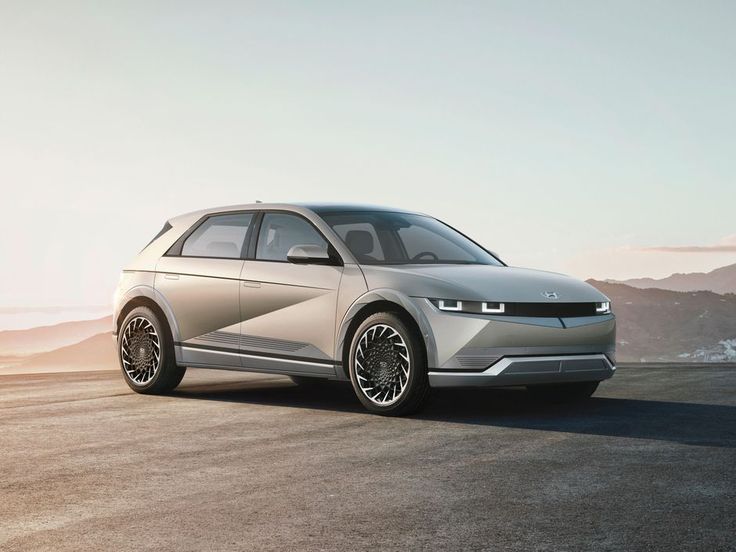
[(48, 338), (95, 353), (681, 318), (721, 280), (657, 325)]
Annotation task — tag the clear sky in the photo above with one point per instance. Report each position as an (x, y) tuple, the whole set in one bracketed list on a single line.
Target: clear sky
[(570, 136)]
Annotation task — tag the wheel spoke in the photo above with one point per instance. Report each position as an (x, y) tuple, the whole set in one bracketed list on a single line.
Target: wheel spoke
[(382, 364), (140, 350)]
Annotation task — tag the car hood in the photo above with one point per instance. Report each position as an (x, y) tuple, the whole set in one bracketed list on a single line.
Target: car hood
[(481, 283)]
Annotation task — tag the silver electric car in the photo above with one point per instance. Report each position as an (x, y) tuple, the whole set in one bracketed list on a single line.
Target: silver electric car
[(393, 301)]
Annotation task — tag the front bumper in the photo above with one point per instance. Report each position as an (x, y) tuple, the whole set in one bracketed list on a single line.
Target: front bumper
[(510, 371)]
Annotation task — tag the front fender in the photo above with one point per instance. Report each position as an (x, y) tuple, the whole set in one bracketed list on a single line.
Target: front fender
[(398, 298)]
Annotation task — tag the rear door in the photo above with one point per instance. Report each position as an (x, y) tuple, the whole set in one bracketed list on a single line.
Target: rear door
[(200, 279), (288, 309)]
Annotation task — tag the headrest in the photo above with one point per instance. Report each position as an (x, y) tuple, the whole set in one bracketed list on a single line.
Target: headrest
[(360, 242)]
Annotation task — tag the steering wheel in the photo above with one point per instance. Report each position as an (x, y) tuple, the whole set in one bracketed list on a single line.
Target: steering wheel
[(425, 254)]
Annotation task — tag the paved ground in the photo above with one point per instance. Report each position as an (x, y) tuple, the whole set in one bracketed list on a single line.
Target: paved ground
[(249, 462)]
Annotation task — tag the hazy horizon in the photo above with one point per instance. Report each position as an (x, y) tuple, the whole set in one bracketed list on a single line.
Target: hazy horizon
[(591, 139), (21, 318)]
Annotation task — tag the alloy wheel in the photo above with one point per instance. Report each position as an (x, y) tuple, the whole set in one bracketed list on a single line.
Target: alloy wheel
[(382, 364), (140, 351)]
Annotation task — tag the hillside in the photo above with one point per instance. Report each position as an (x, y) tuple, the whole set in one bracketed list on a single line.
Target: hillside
[(94, 353), (48, 338), (721, 280), (653, 325), (657, 324)]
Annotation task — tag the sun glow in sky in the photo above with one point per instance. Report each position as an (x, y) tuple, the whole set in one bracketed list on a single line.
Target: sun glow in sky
[(568, 136)]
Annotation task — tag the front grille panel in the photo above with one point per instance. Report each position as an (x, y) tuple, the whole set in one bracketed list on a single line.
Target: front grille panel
[(538, 310), (551, 310)]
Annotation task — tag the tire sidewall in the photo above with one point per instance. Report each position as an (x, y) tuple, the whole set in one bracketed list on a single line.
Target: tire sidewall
[(166, 351), (417, 368)]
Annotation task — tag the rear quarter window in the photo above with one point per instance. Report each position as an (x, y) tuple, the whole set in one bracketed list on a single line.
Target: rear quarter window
[(220, 236)]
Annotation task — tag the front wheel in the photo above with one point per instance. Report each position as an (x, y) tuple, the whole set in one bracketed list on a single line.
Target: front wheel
[(388, 368), (146, 353), (563, 392)]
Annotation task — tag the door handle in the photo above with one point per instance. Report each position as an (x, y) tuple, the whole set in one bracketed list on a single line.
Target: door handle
[(171, 276), (251, 284)]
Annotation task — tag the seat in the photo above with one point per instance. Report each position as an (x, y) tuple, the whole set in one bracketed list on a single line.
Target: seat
[(360, 243)]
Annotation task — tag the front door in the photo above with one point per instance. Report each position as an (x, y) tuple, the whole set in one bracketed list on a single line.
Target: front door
[(288, 309)]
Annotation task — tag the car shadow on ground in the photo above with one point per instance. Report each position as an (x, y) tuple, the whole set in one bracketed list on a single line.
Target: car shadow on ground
[(678, 422)]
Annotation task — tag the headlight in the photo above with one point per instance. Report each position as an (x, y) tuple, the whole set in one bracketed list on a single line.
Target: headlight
[(447, 305), (603, 308), (493, 308), (470, 307)]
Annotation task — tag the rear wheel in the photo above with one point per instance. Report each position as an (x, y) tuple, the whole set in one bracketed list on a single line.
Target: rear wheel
[(563, 392), (146, 353), (388, 369)]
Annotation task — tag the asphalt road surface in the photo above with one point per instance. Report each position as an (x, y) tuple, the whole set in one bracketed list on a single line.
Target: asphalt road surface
[(236, 461)]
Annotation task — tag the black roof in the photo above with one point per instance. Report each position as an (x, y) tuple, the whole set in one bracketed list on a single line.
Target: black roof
[(324, 208)]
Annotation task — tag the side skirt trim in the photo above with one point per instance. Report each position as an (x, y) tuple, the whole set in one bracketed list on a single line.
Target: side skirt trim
[(259, 354), (209, 366)]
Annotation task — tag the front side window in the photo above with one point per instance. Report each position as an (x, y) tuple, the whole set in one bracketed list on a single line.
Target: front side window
[(377, 237), (220, 236), (280, 232)]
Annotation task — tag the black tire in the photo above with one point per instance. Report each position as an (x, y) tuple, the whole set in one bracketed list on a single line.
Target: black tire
[(563, 392), (307, 381), (415, 391), (166, 375)]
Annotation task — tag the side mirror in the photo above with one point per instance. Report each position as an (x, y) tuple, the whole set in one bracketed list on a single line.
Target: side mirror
[(309, 254)]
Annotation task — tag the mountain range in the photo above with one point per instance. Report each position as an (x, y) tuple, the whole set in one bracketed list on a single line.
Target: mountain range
[(47, 338), (94, 353), (681, 318), (721, 280), (657, 325)]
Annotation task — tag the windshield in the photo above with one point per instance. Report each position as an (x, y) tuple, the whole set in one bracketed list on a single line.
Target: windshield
[(381, 238)]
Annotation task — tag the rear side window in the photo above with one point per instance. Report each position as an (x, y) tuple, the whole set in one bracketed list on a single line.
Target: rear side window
[(220, 236), (280, 232)]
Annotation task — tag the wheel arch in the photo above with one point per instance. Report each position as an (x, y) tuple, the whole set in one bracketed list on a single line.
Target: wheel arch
[(383, 300), (144, 296)]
